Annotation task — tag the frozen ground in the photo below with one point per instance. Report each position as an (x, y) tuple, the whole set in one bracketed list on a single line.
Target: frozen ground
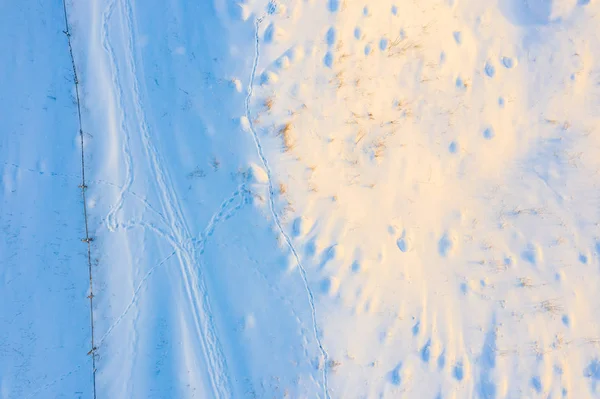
[(301, 199)]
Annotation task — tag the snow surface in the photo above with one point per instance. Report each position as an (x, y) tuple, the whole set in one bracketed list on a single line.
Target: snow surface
[(301, 199)]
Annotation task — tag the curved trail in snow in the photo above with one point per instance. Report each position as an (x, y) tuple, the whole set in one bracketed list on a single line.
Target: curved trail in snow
[(223, 213), (187, 249), (180, 235), (126, 147), (259, 149)]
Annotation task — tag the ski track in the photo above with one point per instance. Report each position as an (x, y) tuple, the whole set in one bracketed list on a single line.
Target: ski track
[(194, 282), (143, 200), (126, 148), (186, 249), (220, 215), (259, 149)]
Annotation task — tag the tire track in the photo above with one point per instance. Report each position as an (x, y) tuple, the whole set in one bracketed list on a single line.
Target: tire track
[(194, 283), (222, 214), (259, 149)]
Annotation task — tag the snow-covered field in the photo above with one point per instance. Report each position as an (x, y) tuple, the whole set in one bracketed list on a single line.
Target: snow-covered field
[(300, 199)]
